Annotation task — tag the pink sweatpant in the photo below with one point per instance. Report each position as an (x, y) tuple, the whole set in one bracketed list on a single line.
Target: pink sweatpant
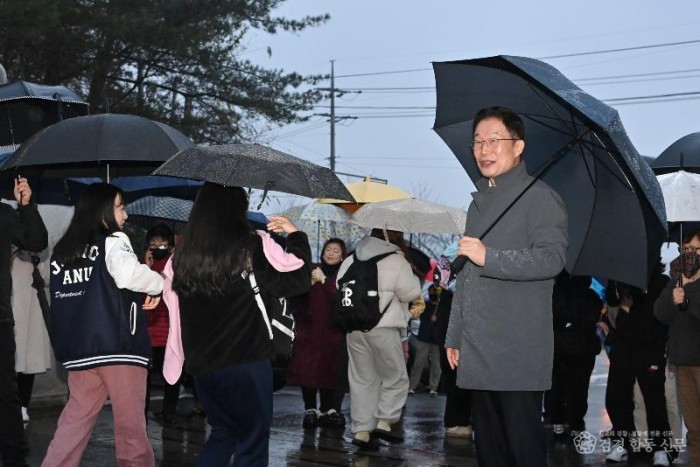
[(126, 387)]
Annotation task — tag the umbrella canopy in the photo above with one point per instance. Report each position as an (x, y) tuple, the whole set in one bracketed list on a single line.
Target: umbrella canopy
[(254, 166), (577, 145), (367, 191), (411, 216), (682, 154), (99, 145), (26, 108), (681, 195), (162, 207), (324, 221)]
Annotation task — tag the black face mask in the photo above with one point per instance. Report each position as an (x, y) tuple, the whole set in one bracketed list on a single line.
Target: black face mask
[(160, 253)]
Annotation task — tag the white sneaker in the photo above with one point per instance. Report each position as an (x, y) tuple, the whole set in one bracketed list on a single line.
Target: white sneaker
[(617, 454), (459, 431), (25, 415), (661, 458)]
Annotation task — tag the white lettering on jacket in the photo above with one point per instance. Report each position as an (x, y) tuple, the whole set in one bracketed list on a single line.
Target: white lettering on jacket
[(76, 275)]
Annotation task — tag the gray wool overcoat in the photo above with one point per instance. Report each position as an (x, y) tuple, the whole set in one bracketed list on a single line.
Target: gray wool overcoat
[(501, 319)]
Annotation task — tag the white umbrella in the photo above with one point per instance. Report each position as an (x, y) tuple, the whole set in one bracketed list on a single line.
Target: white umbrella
[(681, 195), (411, 216), (324, 221)]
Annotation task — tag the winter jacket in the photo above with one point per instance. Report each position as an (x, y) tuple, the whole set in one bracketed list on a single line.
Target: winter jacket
[(638, 331), (683, 324), (157, 319), (576, 310), (224, 331), (501, 318), (317, 344), (23, 228), (96, 306), (398, 286)]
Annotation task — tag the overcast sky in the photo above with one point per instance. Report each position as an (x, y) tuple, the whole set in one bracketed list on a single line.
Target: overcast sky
[(392, 136)]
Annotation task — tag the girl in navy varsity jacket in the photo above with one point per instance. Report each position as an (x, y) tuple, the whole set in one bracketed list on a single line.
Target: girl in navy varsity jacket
[(99, 329)]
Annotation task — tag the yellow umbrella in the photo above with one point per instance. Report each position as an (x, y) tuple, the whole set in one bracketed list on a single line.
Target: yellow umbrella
[(367, 191)]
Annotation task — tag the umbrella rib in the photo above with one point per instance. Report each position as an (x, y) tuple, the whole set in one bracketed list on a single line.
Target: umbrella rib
[(540, 94)]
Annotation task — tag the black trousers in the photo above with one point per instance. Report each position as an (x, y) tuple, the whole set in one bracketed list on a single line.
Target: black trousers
[(458, 403), (171, 392), (327, 396), (342, 385), (508, 429), (13, 448), (626, 366), (568, 399)]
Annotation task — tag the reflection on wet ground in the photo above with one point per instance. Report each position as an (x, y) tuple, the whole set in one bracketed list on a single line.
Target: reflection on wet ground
[(425, 442)]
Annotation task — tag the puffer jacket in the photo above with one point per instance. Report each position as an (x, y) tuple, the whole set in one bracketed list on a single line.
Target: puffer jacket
[(398, 286)]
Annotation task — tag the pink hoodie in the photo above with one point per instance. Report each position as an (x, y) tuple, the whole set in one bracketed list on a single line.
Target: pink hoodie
[(174, 354)]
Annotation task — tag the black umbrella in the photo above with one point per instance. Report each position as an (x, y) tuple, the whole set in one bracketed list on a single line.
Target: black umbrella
[(104, 145), (26, 108), (577, 145), (683, 154), (255, 166)]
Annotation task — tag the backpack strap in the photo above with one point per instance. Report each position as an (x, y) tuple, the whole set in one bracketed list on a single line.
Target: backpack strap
[(375, 260), (259, 300)]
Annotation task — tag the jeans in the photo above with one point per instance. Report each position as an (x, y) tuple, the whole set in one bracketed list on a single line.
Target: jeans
[(238, 402)]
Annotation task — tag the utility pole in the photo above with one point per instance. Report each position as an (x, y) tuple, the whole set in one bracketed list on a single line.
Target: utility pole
[(333, 119), (332, 116)]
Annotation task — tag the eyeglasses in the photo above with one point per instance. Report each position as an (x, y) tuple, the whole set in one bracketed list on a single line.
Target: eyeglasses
[(689, 249), (491, 143)]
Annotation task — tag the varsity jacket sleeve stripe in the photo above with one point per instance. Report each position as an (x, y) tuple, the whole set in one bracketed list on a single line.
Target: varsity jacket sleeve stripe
[(124, 267)]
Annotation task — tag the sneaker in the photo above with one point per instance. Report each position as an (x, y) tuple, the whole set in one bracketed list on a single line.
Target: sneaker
[(433, 393), (25, 415), (661, 458), (459, 431), (617, 454), (331, 419), (310, 418)]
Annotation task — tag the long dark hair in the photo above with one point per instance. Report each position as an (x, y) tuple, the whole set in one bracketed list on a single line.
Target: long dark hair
[(93, 217), (217, 244), (396, 237)]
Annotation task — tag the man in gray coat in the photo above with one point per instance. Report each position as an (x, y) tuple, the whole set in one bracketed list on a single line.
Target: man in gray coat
[(500, 335)]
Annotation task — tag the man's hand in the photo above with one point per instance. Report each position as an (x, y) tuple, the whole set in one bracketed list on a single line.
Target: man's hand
[(23, 193), (151, 302), (474, 249), (678, 296), (452, 357)]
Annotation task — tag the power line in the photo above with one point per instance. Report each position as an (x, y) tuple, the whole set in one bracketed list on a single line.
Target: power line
[(551, 57)]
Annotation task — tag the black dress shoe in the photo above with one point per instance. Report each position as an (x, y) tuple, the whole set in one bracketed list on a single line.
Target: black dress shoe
[(388, 436), (332, 419), (371, 445)]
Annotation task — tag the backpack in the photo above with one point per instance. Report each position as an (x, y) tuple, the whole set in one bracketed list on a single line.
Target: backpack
[(356, 306), (280, 324)]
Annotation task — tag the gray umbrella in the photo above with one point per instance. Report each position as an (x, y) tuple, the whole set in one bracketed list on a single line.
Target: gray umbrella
[(577, 145), (682, 154), (98, 146), (255, 166)]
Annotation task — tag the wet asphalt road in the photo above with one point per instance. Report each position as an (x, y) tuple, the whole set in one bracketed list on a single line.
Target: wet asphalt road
[(425, 443)]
